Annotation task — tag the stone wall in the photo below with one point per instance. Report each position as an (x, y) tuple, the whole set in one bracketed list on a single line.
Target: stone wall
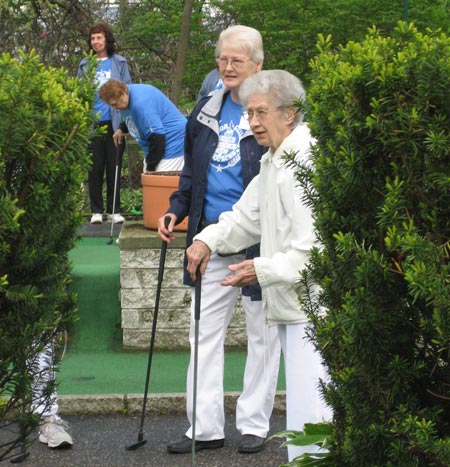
[(140, 250)]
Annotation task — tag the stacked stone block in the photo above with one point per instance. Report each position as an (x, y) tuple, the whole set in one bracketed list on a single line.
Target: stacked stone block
[(140, 250)]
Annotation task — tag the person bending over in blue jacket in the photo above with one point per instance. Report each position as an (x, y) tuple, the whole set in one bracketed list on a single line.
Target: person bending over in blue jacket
[(152, 119)]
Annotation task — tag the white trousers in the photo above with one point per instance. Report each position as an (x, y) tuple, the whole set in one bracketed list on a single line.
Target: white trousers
[(42, 369), (254, 406), (303, 369)]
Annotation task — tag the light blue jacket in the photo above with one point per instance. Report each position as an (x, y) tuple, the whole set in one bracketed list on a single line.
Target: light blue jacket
[(119, 70)]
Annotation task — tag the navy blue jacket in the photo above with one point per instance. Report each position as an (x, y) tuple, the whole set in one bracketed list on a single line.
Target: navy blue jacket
[(201, 139)]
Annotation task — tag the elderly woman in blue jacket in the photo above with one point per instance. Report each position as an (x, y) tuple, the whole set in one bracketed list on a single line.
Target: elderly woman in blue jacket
[(271, 211), (221, 158)]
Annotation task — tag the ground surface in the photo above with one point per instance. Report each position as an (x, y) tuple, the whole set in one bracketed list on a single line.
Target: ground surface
[(100, 441)]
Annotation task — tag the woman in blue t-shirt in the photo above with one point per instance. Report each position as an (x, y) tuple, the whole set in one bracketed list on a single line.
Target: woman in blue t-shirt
[(151, 118), (105, 155)]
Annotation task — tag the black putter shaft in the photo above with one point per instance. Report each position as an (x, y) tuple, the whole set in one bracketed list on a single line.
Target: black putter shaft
[(115, 191), (141, 441), (197, 305)]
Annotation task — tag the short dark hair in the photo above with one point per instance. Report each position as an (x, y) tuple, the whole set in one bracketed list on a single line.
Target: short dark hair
[(101, 28)]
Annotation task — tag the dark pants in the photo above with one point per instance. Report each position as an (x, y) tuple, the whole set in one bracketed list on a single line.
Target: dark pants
[(104, 155)]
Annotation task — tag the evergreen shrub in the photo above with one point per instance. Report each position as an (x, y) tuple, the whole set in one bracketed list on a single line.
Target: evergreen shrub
[(45, 121), (380, 191)]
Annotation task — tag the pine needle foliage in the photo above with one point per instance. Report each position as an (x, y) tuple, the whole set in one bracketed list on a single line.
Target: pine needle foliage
[(45, 121), (380, 192)]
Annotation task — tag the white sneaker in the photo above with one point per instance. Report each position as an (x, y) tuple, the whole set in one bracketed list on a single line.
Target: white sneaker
[(52, 432), (96, 219), (116, 218)]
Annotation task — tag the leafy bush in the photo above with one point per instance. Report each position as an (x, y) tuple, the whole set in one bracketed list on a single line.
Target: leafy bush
[(313, 434), (380, 111), (45, 121), (131, 200)]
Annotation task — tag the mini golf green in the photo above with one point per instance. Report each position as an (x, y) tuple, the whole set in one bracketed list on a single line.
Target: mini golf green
[(94, 361)]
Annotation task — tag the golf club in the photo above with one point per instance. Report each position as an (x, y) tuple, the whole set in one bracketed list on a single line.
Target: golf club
[(21, 457), (114, 198), (141, 441), (198, 293)]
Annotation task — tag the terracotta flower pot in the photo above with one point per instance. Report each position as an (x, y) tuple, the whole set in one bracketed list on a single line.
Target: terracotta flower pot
[(156, 190)]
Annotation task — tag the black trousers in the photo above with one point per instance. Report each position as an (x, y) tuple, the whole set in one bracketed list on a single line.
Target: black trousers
[(104, 154)]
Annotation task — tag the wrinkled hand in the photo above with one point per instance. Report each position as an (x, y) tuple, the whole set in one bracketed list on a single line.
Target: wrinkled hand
[(166, 233), (245, 274), (198, 254), (118, 137)]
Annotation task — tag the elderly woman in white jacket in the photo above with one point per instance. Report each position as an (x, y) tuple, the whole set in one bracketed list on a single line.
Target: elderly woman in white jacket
[(271, 211)]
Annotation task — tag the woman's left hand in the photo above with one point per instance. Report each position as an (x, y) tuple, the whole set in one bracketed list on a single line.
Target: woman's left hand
[(245, 274)]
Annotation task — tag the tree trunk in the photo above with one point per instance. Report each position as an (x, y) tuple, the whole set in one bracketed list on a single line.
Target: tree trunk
[(122, 8), (182, 51)]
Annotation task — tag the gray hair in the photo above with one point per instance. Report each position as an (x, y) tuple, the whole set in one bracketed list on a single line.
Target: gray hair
[(242, 36), (284, 89)]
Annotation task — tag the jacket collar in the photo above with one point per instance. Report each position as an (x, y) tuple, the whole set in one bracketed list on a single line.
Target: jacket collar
[(290, 144), (214, 104), (209, 114)]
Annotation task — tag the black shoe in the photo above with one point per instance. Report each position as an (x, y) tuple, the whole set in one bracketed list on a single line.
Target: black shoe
[(184, 445), (251, 443)]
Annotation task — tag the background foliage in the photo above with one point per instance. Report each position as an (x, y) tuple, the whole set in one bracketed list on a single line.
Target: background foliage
[(44, 129), (148, 32), (380, 111)]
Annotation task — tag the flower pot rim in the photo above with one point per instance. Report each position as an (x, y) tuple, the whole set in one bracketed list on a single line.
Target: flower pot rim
[(157, 180), (173, 173)]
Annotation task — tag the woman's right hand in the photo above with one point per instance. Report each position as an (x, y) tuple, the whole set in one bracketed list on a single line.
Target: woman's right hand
[(165, 228), (118, 137)]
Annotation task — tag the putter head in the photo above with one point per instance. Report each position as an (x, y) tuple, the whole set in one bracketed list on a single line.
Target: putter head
[(133, 447), (110, 241), (20, 458)]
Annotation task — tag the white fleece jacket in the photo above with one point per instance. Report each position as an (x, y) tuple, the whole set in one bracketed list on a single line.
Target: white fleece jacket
[(271, 211)]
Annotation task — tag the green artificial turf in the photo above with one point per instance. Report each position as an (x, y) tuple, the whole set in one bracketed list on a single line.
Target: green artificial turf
[(94, 361)]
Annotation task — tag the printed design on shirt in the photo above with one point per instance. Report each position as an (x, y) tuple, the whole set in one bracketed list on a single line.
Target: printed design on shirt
[(228, 152), (132, 128), (101, 76)]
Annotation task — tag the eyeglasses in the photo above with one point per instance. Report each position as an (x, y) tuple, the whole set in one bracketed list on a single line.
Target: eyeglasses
[(260, 114), (236, 63)]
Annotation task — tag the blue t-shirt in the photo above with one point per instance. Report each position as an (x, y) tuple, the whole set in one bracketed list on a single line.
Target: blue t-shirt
[(225, 185), (102, 74), (150, 111)]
